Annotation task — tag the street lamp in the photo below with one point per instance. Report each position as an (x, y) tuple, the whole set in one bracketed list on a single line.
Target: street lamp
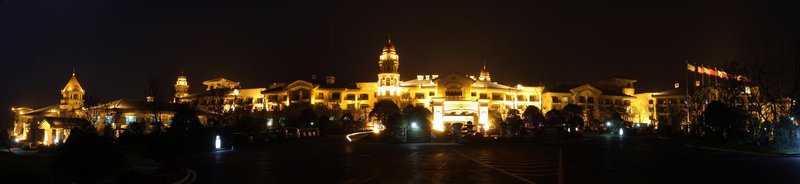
[(414, 125), (608, 123), (621, 132)]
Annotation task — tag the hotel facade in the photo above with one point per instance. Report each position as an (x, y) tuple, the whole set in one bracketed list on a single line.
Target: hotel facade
[(452, 98)]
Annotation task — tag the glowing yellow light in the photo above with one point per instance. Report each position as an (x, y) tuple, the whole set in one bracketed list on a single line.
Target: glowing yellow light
[(376, 129)]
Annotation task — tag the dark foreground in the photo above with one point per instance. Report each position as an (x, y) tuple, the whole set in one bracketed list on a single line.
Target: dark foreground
[(601, 159)]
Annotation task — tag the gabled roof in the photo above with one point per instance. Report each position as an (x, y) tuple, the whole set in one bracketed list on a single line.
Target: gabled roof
[(130, 105), (417, 82), (338, 86), (671, 92), (562, 88), (73, 84), (59, 122), (40, 111), (212, 92), (456, 74), (275, 90), (489, 84)]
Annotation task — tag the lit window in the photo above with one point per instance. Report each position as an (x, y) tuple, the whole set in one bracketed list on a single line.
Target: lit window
[(130, 119), (419, 95), (109, 119)]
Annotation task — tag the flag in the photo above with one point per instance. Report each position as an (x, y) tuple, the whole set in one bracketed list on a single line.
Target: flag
[(691, 67)]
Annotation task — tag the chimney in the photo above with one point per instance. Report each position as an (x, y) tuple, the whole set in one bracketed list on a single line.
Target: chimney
[(677, 85), (313, 77), (420, 77), (434, 76), (427, 77), (330, 79)]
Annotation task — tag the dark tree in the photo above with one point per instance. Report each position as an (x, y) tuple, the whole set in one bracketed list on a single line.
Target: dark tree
[(420, 115), (554, 118), (307, 116), (383, 110), (532, 116), (573, 115), (513, 122), (86, 158)]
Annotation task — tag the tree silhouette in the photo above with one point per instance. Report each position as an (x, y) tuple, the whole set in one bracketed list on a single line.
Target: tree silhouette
[(383, 110), (532, 116), (573, 115)]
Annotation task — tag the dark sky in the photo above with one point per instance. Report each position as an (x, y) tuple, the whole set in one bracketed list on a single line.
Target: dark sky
[(116, 46)]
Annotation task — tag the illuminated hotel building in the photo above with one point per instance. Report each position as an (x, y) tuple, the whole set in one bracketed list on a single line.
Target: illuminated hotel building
[(452, 97), (52, 124)]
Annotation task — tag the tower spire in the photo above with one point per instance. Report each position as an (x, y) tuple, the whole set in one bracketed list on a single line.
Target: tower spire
[(73, 71), (389, 37)]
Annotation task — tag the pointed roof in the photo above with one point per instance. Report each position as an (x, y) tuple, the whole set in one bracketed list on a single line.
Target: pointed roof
[(484, 71), (73, 84), (389, 46)]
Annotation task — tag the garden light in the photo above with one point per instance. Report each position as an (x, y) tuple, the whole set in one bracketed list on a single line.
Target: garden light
[(217, 143)]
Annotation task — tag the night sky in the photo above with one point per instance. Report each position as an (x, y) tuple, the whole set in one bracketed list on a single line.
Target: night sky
[(116, 46)]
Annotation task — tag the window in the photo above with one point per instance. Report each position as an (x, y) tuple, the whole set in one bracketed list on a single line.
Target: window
[(432, 93), (497, 96), (484, 96), (473, 94), (452, 91), (534, 98), (363, 97), (321, 96), (565, 99), (419, 95), (556, 99), (364, 106), (351, 106), (130, 119), (581, 99), (521, 98), (650, 101), (109, 119), (350, 97), (591, 99), (336, 96)]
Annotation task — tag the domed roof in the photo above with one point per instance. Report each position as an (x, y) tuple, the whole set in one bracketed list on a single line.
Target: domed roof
[(73, 84)]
